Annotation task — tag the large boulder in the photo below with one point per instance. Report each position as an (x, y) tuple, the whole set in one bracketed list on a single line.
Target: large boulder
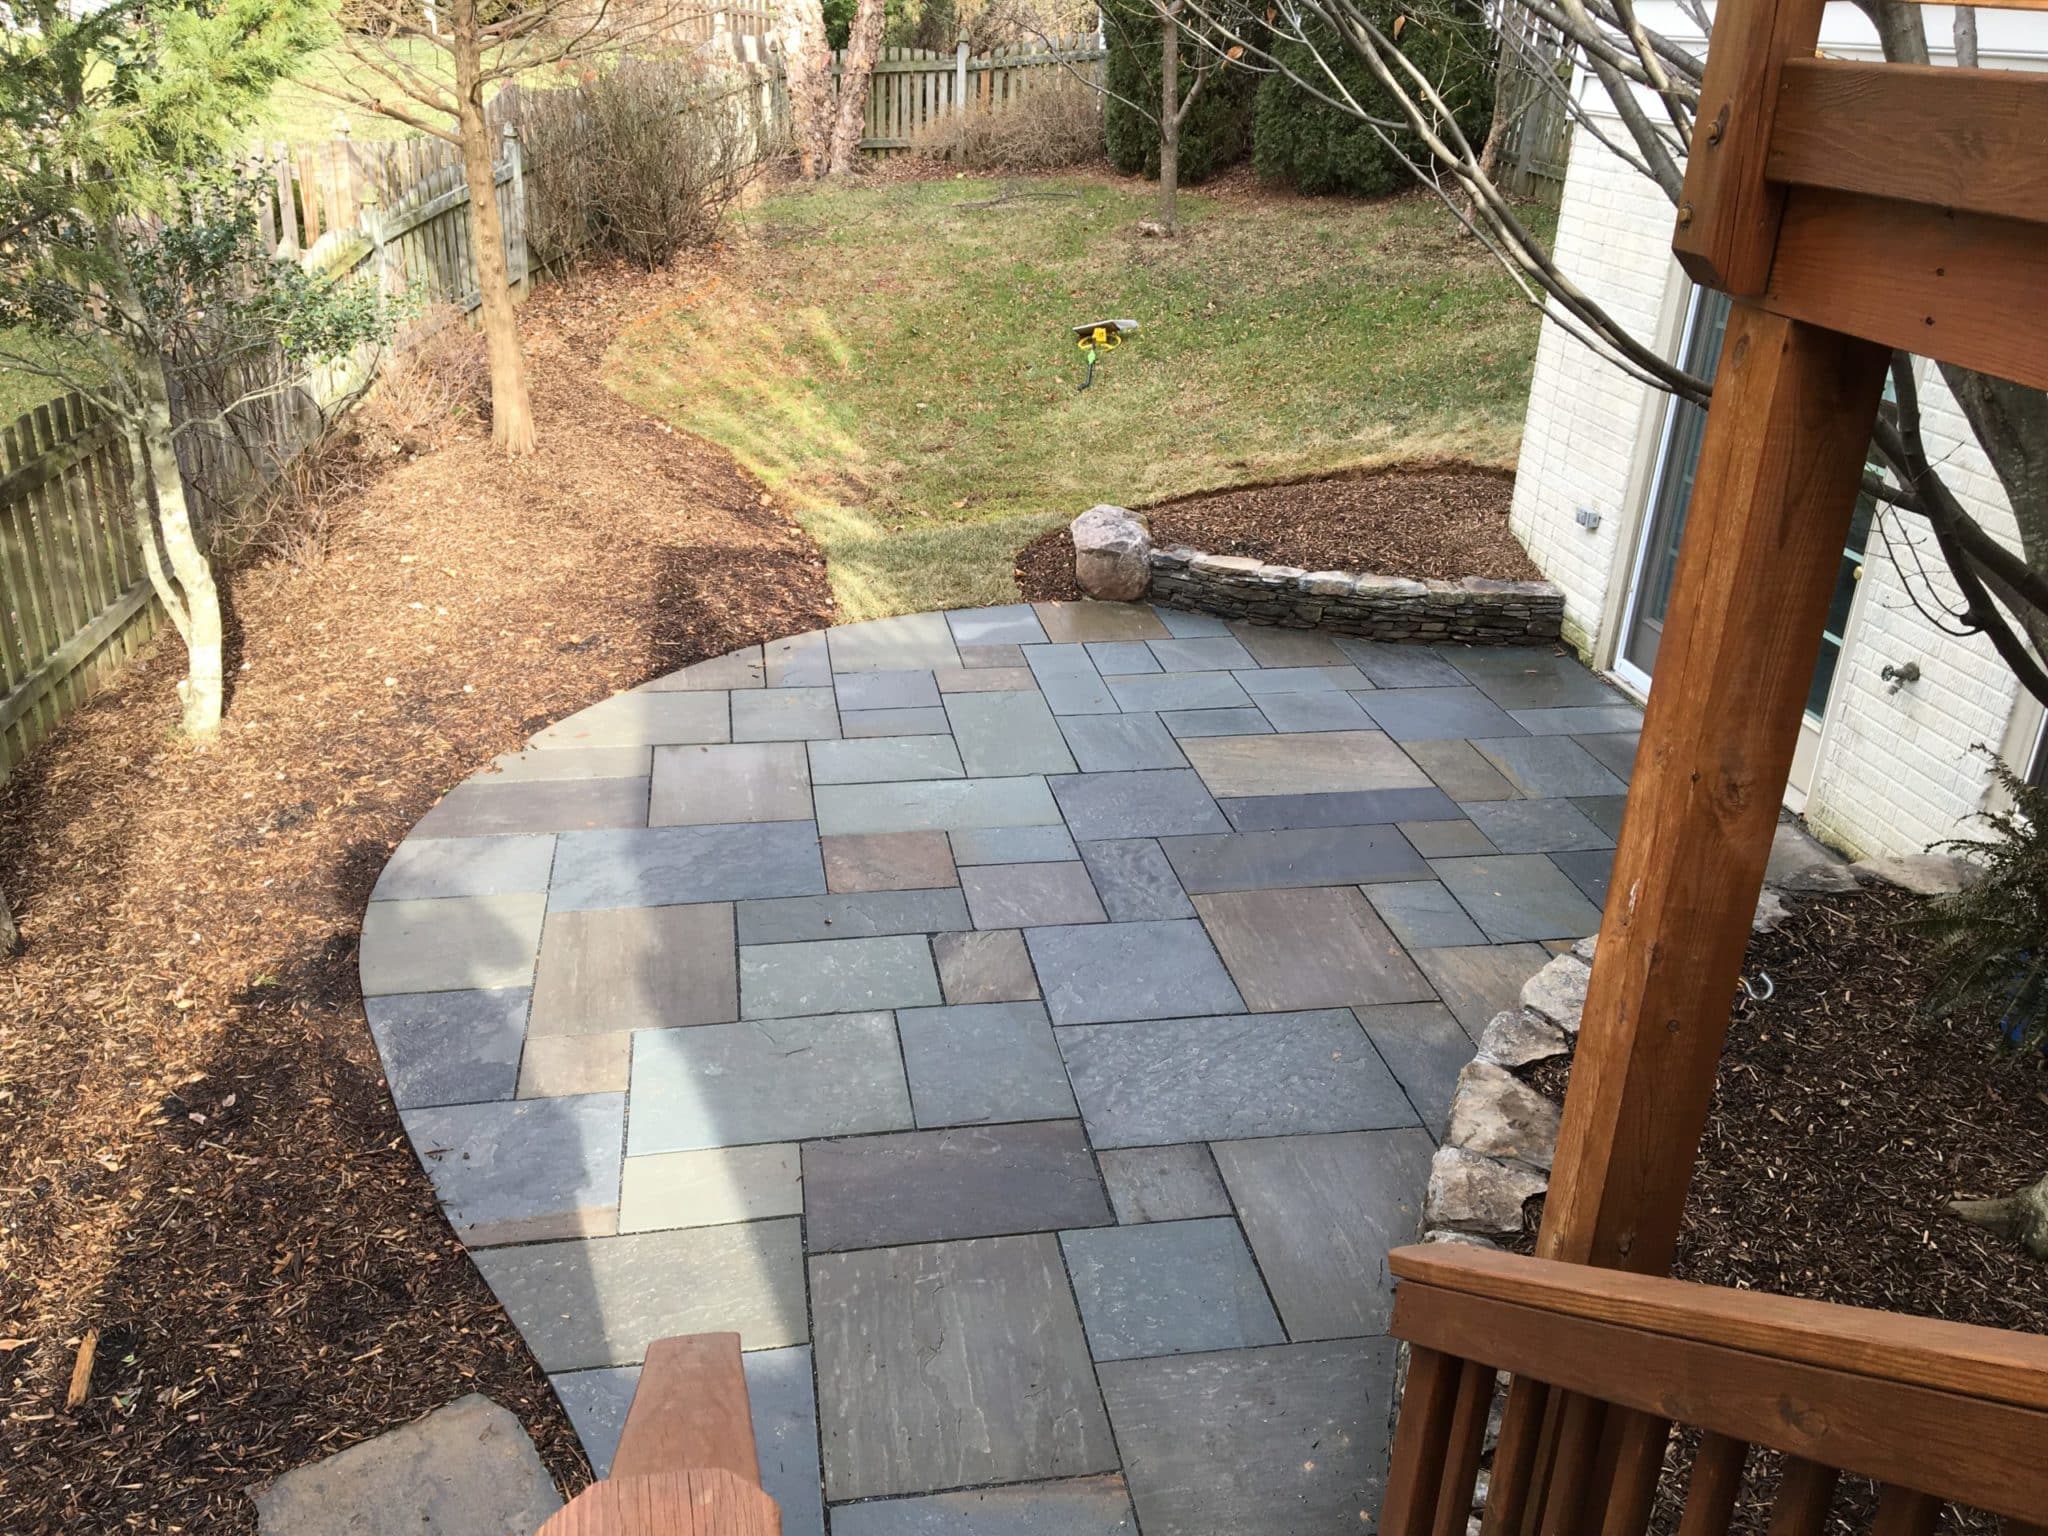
[(1516, 1038), (1112, 554), (1497, 1114), (1557, 993), (1470, 1192)]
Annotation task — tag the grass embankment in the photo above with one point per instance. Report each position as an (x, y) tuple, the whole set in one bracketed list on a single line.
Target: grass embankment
[(894, 361)]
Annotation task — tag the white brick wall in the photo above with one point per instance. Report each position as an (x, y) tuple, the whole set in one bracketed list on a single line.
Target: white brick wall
[(1894, 771)]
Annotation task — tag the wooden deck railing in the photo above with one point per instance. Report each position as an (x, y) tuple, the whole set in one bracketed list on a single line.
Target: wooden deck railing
[(1606, 1363)]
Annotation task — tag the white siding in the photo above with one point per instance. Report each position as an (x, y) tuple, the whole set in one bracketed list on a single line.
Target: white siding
[(1895, 771)]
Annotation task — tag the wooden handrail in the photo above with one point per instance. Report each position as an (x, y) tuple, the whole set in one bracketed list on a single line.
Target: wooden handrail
[(1936, 1412)]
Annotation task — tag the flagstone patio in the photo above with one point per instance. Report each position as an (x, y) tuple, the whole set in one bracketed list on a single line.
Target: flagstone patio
[(1026, 1027)]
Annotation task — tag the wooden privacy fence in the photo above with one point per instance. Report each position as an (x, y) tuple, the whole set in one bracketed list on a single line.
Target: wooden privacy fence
[(914, 87), (75, 600)]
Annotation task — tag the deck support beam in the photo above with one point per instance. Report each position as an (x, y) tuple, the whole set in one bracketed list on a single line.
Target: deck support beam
[(1777, 481)]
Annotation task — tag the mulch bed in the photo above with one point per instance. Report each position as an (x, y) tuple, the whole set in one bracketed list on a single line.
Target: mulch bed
[(1844, 1121), (201, 1160), (1427, 520)]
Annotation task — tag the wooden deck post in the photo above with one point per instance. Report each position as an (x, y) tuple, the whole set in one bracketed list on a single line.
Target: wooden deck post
[(1777, 481)]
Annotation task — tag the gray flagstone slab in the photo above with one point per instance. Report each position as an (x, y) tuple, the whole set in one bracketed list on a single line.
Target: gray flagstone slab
[(1459, 771), (1262, 681), (1245, 861), (449, 1047), (888, 861), (1075, 1506), (1159, 1082), (1070, 623), (603, 1301), (1245, 721), (1114, 658), (783, 981), (1108, 743), (1163, 1183), (863, 915), (1279, 1441), (886, 690), (754, 781), (525, 1170), (1515, 897), (1168, 1288), (422, 868), (923, 720), (1321, 1213), (710, 1187), (1579, 720), (801, 661), (1149, 802), (1437, 714), (1536, 826), (1423, 915), (976, 1065), (629, 968), (1191, 626), (1030, 895), (1009, 624), (1012, 845), (664, 865), (1303, 764), (784, 714), (1426, 1048), (735, 669), (1005, 734), (1207, 653), (1542, 767), (909, 642), (1134, 880), (948, 1365), (879, 759), (1295, 949), (1343, 808), (1476, 981), (456, 944), (1288, 647), (1177, 690), (990, 967), (1097, 972), (568, 763), (728, 1085), (644, 719), (949, 805), (1314, 712), (490, 808), (1400, 666)]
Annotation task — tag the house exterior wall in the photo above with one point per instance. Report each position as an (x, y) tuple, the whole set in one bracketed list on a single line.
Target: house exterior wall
[(1895, 770)]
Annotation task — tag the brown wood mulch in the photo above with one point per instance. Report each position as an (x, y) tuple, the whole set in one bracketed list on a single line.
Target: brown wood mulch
[(1844, 1120), (1425, 520), (201, 1161)]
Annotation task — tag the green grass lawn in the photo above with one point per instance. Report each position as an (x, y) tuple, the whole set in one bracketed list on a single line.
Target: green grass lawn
[(895, 364)]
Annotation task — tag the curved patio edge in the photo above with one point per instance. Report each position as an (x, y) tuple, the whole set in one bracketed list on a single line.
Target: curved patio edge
[(1021, 1025)]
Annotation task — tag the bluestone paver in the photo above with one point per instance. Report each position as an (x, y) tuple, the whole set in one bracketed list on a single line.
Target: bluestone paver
[(1234, 1075), (991, 967), (1459, 771), (982, 1063), (1247, 861), (710, 1187), (455, 944), (1345, 808), (888, 861), (1589, 869), (423, 868), (1077, 623), (987, 679), (1291, 712), (1548, 766), (1002, 655), (1302, 764), (1004, 734), (1604, 811), (1099, 972), (1525, 677), (490, 808), (1210, 653), (1146, 802), (1074, 1506), (1110, 743), (1437, 714), (1321, 1213), (784, 714), (466, 1469), (644, 719), (1244, 721), (1261, 682), (634, 968), (735, 669), (1135, 880), (801, 661), (1425, 1047), (1294, 949), (864, 915), (922, 720), (886, 690), (749, 781), (1400, 666), (1191, 626), (965, 1181), (1177, 690), (1476, 981), (568, 763), (1163, 1183), (1279, 1441), (667, 865), (1009, 624), (947, 805), (786, 981), (1579, 720), (554, 1066), (879, 758), (1445, 839), (1515, 897), (1289, 647), (1168, 1288), (1616, 751), (782, 1401), (1050, 844), (1030, 895), (728, 1085), (1536, 826), (449, 1047), (1118, 658), (948, 1365), (1422, 914), (525, 1170), (909, 642), (597, 1402), (604, 1301)]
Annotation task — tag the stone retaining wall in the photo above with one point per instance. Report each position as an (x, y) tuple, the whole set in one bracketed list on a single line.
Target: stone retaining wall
[(1475, 610)]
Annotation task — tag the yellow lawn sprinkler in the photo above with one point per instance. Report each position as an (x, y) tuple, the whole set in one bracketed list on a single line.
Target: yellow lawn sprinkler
[(1098, 337)]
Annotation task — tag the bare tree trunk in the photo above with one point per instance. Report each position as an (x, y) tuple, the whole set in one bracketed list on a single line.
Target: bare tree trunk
[(511, 405), (188, 587), (807, 75), (10, 936), (1170, 113), (863, 45), (2023, 1214)]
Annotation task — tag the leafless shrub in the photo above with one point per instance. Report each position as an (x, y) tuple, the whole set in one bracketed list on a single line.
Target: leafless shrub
[(1057, 123), (440, 380), (641, 159)]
